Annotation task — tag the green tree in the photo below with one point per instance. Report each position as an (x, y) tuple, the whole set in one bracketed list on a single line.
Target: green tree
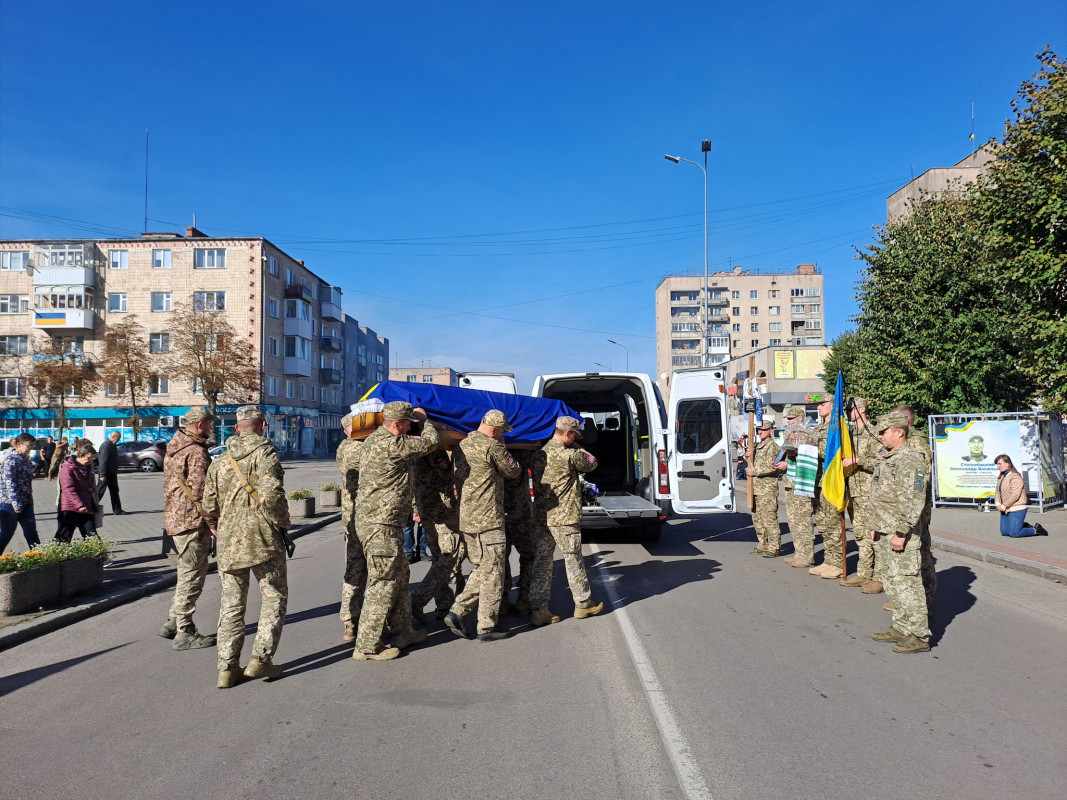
[(127, 369), (61, 372)]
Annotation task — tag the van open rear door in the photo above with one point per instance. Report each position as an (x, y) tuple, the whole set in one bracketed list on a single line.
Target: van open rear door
[(698, 450)]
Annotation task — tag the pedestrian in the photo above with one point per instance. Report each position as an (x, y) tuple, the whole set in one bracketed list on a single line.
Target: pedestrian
[(244, 496), (438, 512), (354, 581), (16, 493), (108, 466), (865, 447), (187, 526), (764, 472), (800, 509), (56, 461), (382, 504), (898, 496), (77, 497), (482, 466), (558, 519), (1011, 501), (827, 517)]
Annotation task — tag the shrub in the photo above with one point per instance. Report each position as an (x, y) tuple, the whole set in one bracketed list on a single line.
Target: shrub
[(300, 494), (55, 552), (329, 487)]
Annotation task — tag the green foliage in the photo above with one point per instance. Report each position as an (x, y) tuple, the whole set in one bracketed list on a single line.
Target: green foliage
[(329, 487), (300, 494), (54, 553)]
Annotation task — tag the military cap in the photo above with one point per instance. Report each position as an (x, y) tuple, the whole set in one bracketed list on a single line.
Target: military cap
[(346, 421), (859, 402), (792, 412), (766, 425), (197, 414), (497, 419), (398, 409), (894, 419), (250, 412), (569, 424)]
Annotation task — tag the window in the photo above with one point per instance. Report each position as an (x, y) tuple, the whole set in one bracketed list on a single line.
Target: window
[(159, 343), (116, 301), (737, 343), (812, 340), (773, 294), (212, 342), (775, 327), (272, 268), (14, 304), (297, 347), (715, 327), (303, 391), (683, 297), (288, 277), (718, 341), (272, 307), (70, 344), (736, 327), (197, 387), (161, 301), (753, 310), (685, 327), (736, 311), (753, 328), (118, 259), (14, 261), (755, 342), (209, 301), (13, 345), (797, 308), (427, 378), (753, 294), (12, 387), (272, 346), (161, 259), (298, 309), (774, 311), (289, 391), (813, 324), (158, 385), (775, 342), (685, 361), (685, 344), (115, 389), (796, 292), (272, 387), (209, 259), (812, 291), (735, 295), (815, 308)]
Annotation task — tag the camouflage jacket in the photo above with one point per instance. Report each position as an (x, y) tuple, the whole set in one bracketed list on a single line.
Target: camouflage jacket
[(518, 506), (385, 491), (764, 475), (482, 465), (898, 491), (249, 531), (557, 498), (348, 463), (57, 460), (435, 489), (187, 459)]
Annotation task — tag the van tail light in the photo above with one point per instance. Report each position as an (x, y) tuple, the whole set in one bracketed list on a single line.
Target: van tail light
[(661, 458)]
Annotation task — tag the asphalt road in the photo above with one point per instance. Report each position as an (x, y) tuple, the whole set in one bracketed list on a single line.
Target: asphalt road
[(713, 674)]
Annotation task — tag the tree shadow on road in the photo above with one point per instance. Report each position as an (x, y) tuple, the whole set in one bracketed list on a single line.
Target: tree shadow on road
[(954, 597), (20, 680)]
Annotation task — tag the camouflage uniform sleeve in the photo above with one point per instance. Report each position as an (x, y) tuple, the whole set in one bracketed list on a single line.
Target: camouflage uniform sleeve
[(271, 489), (582, 460), (210, 498), (868, 452), (415, 446), (503, 460), (911, 479), (196, 467), (763, 463)]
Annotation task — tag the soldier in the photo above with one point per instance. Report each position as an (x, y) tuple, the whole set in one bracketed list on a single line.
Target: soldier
[(557, 520), (61, 451), (438, 511), (827, 517), (929, 568), (245, 496), (898, 497), (799, 509), (764, 472), (482, 465), (865, 446), (383, 503), (518, 514), (354, 582), (190, 530)]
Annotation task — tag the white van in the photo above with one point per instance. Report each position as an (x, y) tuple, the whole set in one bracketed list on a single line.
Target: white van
[(503, 382), (653, 457)]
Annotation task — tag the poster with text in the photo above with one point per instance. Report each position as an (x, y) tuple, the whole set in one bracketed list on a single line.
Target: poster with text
[(810, 364), (783, 364), (965, 453)]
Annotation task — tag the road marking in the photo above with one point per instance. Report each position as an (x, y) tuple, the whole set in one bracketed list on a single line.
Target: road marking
[(674, 742)]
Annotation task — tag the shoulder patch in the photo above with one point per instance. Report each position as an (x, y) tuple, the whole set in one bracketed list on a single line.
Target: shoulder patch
[(920, 480), (589, 458)]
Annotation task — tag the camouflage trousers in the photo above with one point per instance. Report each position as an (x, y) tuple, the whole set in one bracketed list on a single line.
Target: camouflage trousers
[(569, 540), (903, 586), (828, 521), (801, 512), (387, 600), (520, 536), (765, 521), (446, 547), (485, 584), (927, 565), (193, 548), (274, 587), (859, 487), (354, 582)]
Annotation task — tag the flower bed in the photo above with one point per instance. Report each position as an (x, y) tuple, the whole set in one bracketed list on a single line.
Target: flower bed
[(301, 503), (47, 573), (329, 495)]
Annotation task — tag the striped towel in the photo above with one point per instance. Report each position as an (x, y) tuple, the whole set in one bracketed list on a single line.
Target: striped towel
[(805, 471)]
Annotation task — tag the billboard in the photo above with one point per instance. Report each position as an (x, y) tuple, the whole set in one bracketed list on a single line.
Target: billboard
[(964, 453), (783, 364), (809, 364)]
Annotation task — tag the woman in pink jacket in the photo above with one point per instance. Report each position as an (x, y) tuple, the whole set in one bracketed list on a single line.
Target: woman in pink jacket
[(1011, 501), (77, 499)]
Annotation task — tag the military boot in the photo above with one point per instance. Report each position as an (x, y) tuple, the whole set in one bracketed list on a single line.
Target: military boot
[(817, 570), (770, 553), (454, 622), (581, 612), (912, 644), (169, 629), (854, 581), (890, 634), (872, 587), (506, 608), (228, 678), (417, 610), (411, 637), (350, 633), (386, 654), (522, 606), (262, 669), (797, 563), (539, 618), (191, 640), (888, 606), (492, 636), (755, 551)]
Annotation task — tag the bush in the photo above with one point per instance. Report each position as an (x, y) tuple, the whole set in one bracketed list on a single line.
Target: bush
[(54, 553), (329, 487), (300, 494)]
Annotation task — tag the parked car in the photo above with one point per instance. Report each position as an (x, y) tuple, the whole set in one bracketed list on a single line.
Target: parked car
[(143, 455), (216, 451)]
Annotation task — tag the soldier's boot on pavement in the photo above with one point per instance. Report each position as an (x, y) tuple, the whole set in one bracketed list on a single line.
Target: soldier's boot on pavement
[(262, 669), (523, 606), (829, 572), (417, 610), (890, 634), (755, 551), (798, 564), (169, 629), (888, 606), (872, 587), (855, 581), (192, 640), (441, 612), (817, 569), (228, 678), (539, 618), (350, 633), (382, 654), (454, 622), (492, 636), (411, 637), (581, 612), (912, 644), (770, 553)]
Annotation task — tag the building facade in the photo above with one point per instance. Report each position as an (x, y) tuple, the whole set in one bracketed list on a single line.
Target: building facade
[(443, 376), (937, 180), (70, 289), (747, 310)]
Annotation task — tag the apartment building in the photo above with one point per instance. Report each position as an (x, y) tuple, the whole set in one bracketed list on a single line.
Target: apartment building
[(366, 359), (70, 289), (937, 180), (443, 376), (747, 310)]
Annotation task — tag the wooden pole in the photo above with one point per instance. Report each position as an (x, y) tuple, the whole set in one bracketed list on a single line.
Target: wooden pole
[(751, 436)]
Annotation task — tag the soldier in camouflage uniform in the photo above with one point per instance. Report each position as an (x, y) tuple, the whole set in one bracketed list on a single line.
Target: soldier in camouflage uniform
[(482, 465), (184, 521), (764, 473), (918, 440), (557, 520), (897, 500), (438, 511), (800, 510), (827, 517), (865, 447), (245, 497), (383, 504), (518, 512), (354, 583)]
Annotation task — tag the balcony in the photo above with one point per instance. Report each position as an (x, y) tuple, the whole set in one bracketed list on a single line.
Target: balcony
[(299, 292), (64, 276), (718, 301), (331, 344), (718, 317), (64, 319), (688, 301), (297, 366), (294, 326), (330, 310), (329, 377)]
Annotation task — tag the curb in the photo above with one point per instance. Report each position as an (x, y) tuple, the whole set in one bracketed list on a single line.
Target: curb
[(17, 634), (1001, 559)]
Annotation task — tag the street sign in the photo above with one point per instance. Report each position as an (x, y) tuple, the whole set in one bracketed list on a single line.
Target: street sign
[(750, 406)]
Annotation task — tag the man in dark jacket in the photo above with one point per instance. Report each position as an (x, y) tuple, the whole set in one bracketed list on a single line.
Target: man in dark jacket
[(108, 466)]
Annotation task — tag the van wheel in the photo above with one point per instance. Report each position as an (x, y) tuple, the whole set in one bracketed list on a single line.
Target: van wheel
[(651, 533)]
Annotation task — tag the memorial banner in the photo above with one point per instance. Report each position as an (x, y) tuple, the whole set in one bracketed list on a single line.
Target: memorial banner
[(964, 455)]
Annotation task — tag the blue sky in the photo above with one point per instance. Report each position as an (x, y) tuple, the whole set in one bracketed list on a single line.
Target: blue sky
[(486, 180)]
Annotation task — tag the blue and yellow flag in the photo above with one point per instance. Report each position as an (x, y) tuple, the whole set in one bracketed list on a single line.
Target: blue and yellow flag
[(838, 448)]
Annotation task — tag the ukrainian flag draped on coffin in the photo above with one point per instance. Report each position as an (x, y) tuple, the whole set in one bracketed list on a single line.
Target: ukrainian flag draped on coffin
[(838, 448)]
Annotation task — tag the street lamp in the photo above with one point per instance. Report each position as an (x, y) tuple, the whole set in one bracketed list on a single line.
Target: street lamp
[(705, 147), (598, 364), (624, 347)]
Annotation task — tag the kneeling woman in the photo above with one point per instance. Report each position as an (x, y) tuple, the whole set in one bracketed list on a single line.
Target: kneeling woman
[(1011, 501)]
